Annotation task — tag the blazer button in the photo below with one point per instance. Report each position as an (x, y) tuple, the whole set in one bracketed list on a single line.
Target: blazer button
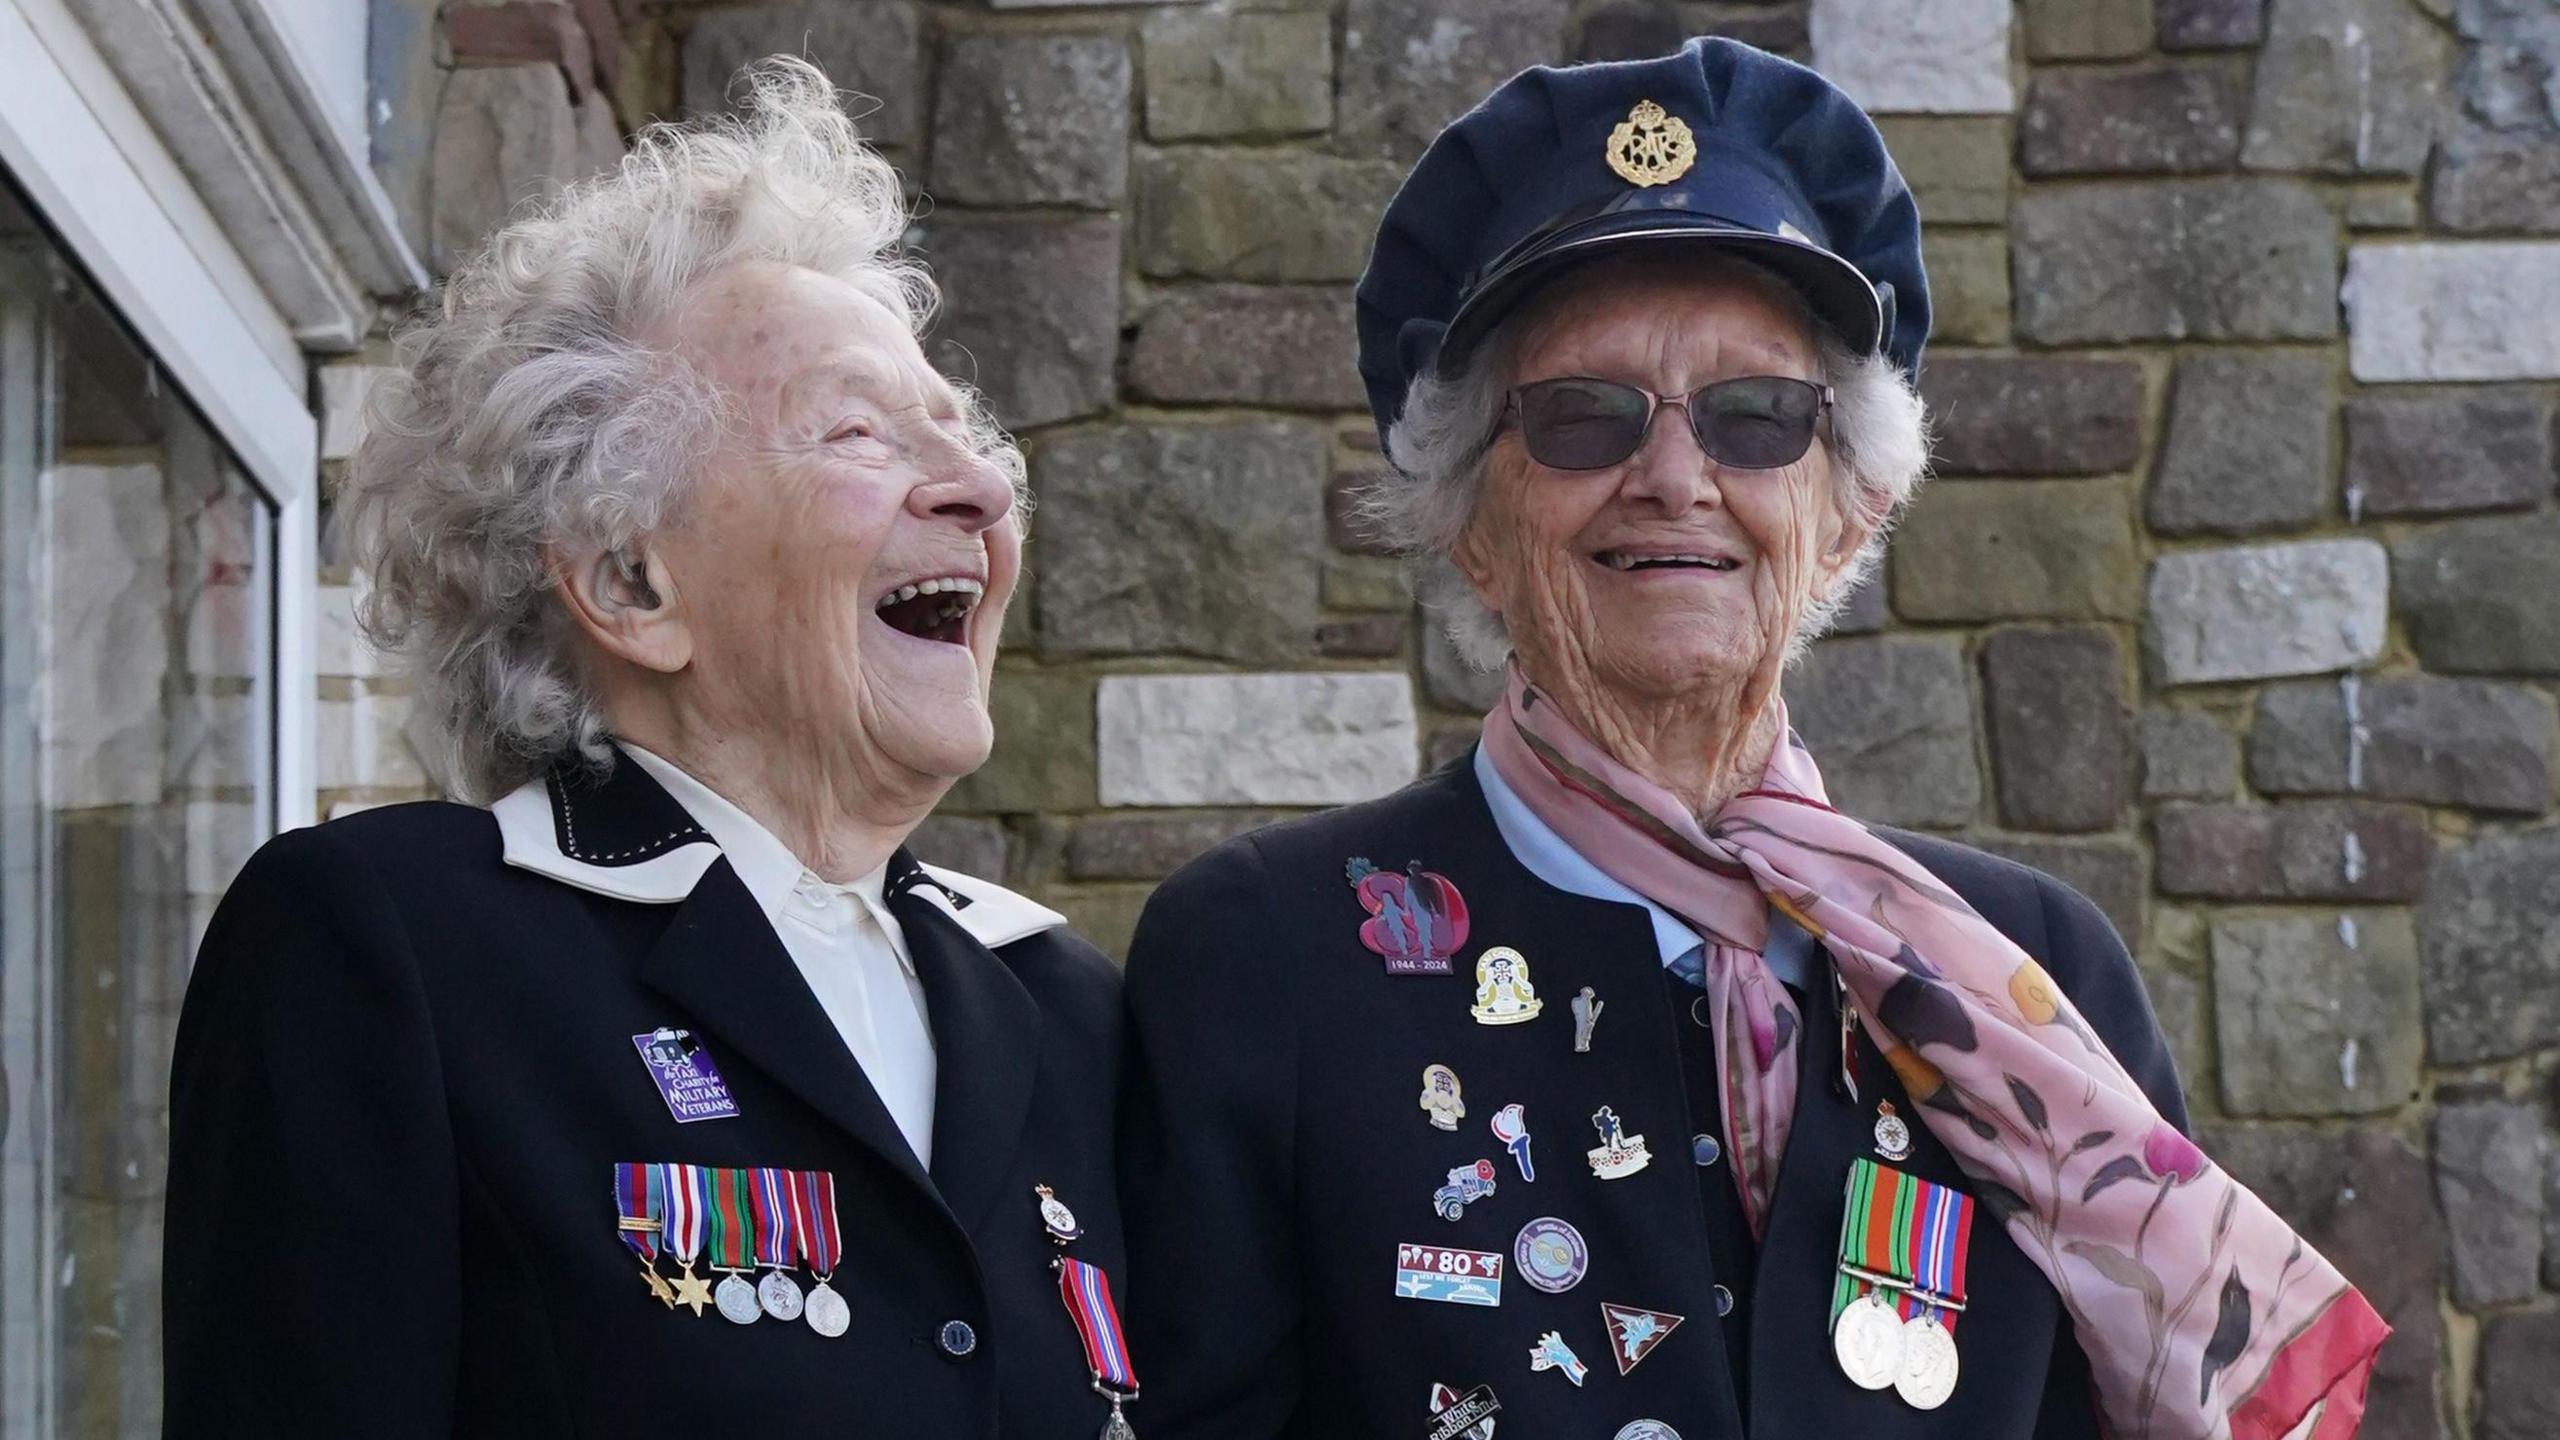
[(958, 1339)]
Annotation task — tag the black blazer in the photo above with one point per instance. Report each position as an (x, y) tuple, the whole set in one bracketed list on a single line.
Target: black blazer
[(1274, 1158), (404, 1073)]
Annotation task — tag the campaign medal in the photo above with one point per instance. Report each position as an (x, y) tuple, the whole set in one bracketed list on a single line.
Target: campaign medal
[(1901, 1283), (1586, 1013), (1551, 1353), (1943, 1223), (1417, 920), (1442, 1098), (1511, 1127), (1647, 1430), (1467, 1185), (1454, 1277), (1866, 1339), (1504, 995), (1087, 1292), (1893, 1135), (777, 1240), (822, 1242), (685, 1077), (1618, 1154), (1551, 1255), (1056, 1217), (1462, 1417), (686, 1193), (640, 1197), (733, 1247), (1634, 1333)]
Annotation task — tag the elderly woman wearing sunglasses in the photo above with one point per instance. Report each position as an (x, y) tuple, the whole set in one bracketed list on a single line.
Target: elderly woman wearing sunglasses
[(1736, 1115)]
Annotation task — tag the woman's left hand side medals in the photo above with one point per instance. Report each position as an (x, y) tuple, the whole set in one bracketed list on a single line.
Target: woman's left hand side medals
[(738, 1221)]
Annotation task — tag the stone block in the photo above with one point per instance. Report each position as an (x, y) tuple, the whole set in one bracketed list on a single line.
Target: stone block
[(2519, 1386), (1448, 681), (2476, 594), (2151, 120), (1628, 30), (1237, 501), (2187, 755), (363, 744), (1943, 57), (1032, 119), (2313, 851), (1105, 915), (2461, 449), (1450, 745), (2248, 444), (1150, 847), (344, 392), (1288, 347), (872, 48), (1030, 312), (2108, 872), (2489, 1180), (1361, 637), (2479, 744), (107, 626), (2257, 612), (2201, 259), (1890, 720), (2494, 181), (2492, 953), (504, 136), (1365, 582), (2033, 415), (2087, 29), (2316, 1014), (2363, 1198), (2384, 205), (2017, 550), (1211, 75), (2054, 701), (1410, 67), (1044, 755), (970, 846), (2346, 87), (522, 31), (2211, 24), (2463, 310), (1968, 287), (1867, 609), (1327, 738), (1269, 215), (1957, 165)]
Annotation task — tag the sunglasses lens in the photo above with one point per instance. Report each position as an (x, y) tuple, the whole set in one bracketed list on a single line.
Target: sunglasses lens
[(1756, 423), (1582, 424)]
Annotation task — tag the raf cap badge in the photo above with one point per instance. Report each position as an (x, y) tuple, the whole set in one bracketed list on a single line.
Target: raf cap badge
[(1504, 995), (1417, 920), (1651, 146), (1441, 1099)]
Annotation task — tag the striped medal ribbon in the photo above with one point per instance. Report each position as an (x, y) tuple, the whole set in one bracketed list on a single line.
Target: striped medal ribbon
[(777, 1242), (1087, 1292), (813, 1213), (1901, 1282), (686, 1191), (640, 1206), (733, 1234)]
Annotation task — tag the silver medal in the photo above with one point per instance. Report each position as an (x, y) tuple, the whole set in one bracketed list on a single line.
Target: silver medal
[(827, 1312), (1927, 1374), (1867, 1340), (736, 1298), (780, 1295), (1117, 1427)]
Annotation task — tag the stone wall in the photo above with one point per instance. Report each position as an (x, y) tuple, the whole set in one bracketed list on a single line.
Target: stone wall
[(2236, 602)]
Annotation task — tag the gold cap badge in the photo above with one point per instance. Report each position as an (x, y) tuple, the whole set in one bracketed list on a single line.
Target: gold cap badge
[(1651, 146)]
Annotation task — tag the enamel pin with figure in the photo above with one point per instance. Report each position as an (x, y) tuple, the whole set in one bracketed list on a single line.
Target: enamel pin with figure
[(1417, 920), (1586, 1013), (1504, 995), (1442, 1098), (1618, 1154)]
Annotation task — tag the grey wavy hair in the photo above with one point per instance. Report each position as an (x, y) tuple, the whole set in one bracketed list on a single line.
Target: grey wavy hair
[(530, 410), (1880, 448)]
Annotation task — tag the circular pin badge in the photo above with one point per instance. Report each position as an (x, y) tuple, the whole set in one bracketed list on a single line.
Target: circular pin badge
[(1867, 1341), (1893, 1137), (1551, 1255), (1647, 1430), (779, 1295), (827, 1312), (1927, 1374), (1054, 1214), (737, 1300)]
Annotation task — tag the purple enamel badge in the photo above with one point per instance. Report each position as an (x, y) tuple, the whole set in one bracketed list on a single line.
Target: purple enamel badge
[(687, 1080)]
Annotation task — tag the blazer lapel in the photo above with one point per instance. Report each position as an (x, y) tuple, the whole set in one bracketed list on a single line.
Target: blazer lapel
[(986, 1038), (721, 961)]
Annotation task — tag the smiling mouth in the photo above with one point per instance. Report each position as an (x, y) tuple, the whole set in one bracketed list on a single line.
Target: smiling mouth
[(1621, 560), (936, 609)]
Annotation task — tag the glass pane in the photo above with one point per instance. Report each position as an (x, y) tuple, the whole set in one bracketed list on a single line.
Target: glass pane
[(136, 668)]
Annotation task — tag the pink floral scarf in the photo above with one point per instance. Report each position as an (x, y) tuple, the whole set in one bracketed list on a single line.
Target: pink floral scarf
[(2203, 1314)]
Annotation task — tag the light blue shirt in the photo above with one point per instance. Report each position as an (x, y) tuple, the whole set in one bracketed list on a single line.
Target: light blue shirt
[(1544, 853)]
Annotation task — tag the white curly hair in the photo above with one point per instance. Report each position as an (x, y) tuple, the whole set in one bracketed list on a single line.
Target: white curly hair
[(531, 412), (1879, 435)]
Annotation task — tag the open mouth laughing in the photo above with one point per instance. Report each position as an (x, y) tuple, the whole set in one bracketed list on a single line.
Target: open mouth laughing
[(933, 609)]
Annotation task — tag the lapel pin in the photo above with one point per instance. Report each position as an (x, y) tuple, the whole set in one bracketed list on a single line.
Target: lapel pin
[(1463, 1417), (1551, 1255), (1551, 1353), (1893, 1136), (1511, 1127), (1442, 1099), (1504, 995), (1456, 1277), (1586, 1013), (686, 1078), (1417, 920), (1634, 1333), (1619, 1154), (1467, 1185), (1056, 1217)]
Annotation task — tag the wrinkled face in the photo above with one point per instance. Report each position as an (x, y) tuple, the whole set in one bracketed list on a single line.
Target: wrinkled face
[(1641, 583), (847, 557)]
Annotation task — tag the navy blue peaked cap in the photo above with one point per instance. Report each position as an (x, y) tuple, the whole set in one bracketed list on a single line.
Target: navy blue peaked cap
[(1720, 146)]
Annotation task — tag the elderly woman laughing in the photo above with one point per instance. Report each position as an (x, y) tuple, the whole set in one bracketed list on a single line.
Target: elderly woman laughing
[(698, 569), (1887, 1140)]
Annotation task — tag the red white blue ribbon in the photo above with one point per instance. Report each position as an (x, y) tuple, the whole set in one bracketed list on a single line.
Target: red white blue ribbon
[(771, 1195), (685, 1187), (1087, 1292), (813, 1196), (639, 1193)]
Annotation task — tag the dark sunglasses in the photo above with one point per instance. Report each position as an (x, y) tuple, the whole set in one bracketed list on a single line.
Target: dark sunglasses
[(1755, 422)]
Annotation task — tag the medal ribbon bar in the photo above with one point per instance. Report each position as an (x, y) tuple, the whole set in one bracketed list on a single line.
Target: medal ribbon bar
[(775, 1234), (1906, 1238), (1087, 1292), (684, 1191), (732, 1220), (639, 1196), (814, 1194)]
